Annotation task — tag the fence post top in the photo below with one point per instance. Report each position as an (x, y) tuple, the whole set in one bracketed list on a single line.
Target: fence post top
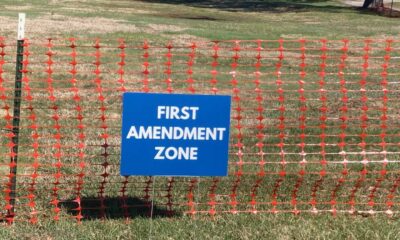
[(21, 26)]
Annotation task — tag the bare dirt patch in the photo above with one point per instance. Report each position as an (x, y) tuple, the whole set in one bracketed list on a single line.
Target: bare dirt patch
[(156, 28), (51, 25), (17, 8), (57, 24), (185, 39)]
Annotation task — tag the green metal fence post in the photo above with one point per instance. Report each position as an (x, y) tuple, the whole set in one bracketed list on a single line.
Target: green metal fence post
[(16, 114)]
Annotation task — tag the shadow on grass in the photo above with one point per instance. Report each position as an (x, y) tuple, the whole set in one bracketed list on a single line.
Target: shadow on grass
[(261, 5), (115, 208)]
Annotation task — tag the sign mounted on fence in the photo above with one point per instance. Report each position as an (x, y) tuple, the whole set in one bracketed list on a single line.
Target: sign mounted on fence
[(175, 134)]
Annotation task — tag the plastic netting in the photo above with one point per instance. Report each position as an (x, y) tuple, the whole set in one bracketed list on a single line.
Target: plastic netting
[(314, 128)]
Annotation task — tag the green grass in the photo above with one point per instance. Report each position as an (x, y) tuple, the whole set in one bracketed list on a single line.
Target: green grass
[(224, 227), (183, 22), (249, 20)]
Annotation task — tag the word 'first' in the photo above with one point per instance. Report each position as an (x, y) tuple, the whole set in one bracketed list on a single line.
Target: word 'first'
[(174, 112)]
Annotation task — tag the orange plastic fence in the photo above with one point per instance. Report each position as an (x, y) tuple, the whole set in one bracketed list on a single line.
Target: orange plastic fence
[(315, 126)]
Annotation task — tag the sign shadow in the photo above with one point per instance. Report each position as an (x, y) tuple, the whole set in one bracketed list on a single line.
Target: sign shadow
[(92, 208)]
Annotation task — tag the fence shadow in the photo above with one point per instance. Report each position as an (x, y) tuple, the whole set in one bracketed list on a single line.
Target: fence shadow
[(115, 208)]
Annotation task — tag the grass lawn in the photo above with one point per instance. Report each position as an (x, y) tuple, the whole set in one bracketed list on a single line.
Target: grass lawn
[(196, 19), (223, 227), (182, 22)]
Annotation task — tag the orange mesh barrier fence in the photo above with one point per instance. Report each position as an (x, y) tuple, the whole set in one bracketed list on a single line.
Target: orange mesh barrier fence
[(315, 127)]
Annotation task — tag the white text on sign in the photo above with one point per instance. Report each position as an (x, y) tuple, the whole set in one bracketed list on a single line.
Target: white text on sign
[(176, 133), (172, 153), (173, 112)]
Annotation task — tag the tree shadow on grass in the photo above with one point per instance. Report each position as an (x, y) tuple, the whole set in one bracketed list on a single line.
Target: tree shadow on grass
[(260, 5), (115, 208)]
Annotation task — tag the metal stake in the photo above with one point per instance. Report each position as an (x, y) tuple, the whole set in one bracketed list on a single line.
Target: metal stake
[(152, 209), (16, 114)]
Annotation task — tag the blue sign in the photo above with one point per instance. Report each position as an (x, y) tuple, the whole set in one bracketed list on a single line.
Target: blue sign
[(175, 134)]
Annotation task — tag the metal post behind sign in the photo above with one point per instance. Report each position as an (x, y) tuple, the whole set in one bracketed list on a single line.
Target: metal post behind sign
[(152, 208), (16, 114)]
